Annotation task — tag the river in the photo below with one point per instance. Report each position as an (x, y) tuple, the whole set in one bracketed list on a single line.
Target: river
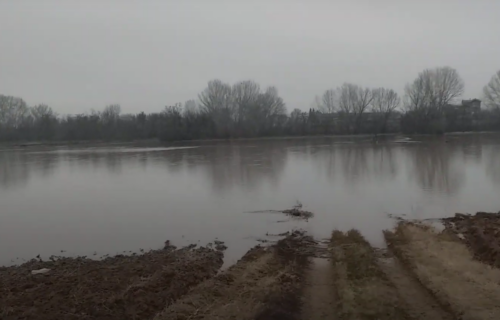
[(106, 200)]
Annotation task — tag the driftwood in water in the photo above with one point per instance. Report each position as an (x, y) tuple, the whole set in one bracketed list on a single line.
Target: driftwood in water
[(298, 213), (295, 212)]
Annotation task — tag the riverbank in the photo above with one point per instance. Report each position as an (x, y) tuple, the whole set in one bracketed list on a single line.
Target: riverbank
[(425, 273), (155, 143)]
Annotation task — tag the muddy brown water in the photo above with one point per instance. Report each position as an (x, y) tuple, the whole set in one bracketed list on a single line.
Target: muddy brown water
[(109, 199)]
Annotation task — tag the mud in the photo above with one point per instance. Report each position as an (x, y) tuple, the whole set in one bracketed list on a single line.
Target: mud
[(442, 264), (481, 233), (319, 298), (421, 303), (120, 287), (424, 274), (362, 288), (265, 284)]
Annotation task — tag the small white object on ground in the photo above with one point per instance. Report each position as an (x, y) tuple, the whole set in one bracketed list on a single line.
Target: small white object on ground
[(40, 271)]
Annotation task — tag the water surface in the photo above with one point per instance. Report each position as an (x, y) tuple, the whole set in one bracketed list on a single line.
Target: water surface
[(103, 200)]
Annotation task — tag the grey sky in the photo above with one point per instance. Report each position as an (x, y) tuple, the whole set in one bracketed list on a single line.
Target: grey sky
[(79, 55)]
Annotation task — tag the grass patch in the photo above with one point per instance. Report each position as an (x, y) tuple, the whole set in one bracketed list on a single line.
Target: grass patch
[(444, 265)]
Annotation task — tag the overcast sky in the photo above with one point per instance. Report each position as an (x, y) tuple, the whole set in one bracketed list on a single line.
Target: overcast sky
[(82, 55)]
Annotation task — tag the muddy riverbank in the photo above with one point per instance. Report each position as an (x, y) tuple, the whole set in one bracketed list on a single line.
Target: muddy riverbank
[(121, 287), (424, 273), (170, 283)]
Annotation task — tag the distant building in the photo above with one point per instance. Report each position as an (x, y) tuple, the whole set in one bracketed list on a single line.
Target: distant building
[(464, 116)]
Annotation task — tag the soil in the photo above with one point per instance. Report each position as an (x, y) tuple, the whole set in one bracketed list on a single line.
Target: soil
[(319, 294), (421, 304), (424, 274), (121, 287), (265, 284), (362, 289), (481, 233), (441, 263)]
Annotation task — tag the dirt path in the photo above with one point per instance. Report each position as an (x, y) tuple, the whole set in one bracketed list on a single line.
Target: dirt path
[(444, 265), (319, 295), (421, 304), (362, 288)]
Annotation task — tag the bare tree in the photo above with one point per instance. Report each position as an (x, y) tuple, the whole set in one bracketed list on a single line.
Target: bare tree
[(434, 89), (244, 96), (13, 111), (217, 101), (111, 114), (429, 93), (270, 109), (353, 102), (316, 104), (329, 101), (272, 103), (40, 111), (190, 108), (492, 92), (295, 114), (216, 97), (385, 101)]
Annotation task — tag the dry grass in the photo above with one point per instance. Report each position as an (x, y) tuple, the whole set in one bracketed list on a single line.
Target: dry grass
[(264, 284), (470, 289), (363, 291)]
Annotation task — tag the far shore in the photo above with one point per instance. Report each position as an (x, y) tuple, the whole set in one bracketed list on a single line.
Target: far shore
[(157, 143)]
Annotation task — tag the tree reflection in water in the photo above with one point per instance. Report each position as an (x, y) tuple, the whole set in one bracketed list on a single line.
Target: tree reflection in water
[(436, 167), (493, 164), (435, 164)]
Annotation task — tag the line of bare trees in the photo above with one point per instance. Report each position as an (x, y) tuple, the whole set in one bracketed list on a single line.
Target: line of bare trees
[(351, 104), (244, 109), (429, 105)]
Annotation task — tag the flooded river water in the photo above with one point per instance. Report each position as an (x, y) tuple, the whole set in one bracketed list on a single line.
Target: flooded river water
[(104, 200)]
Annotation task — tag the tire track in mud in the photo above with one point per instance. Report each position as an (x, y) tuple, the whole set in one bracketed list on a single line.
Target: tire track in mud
[(362, 289), (421, 304), (342, 286), (464, 287), (319, 292), (266, 283)]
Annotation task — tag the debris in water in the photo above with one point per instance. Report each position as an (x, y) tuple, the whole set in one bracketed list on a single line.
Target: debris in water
[(219, 245), (295, 212)]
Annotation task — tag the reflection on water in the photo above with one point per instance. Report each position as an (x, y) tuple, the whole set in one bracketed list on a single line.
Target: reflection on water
[(493, 164), (114, 199), (437, 167)]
